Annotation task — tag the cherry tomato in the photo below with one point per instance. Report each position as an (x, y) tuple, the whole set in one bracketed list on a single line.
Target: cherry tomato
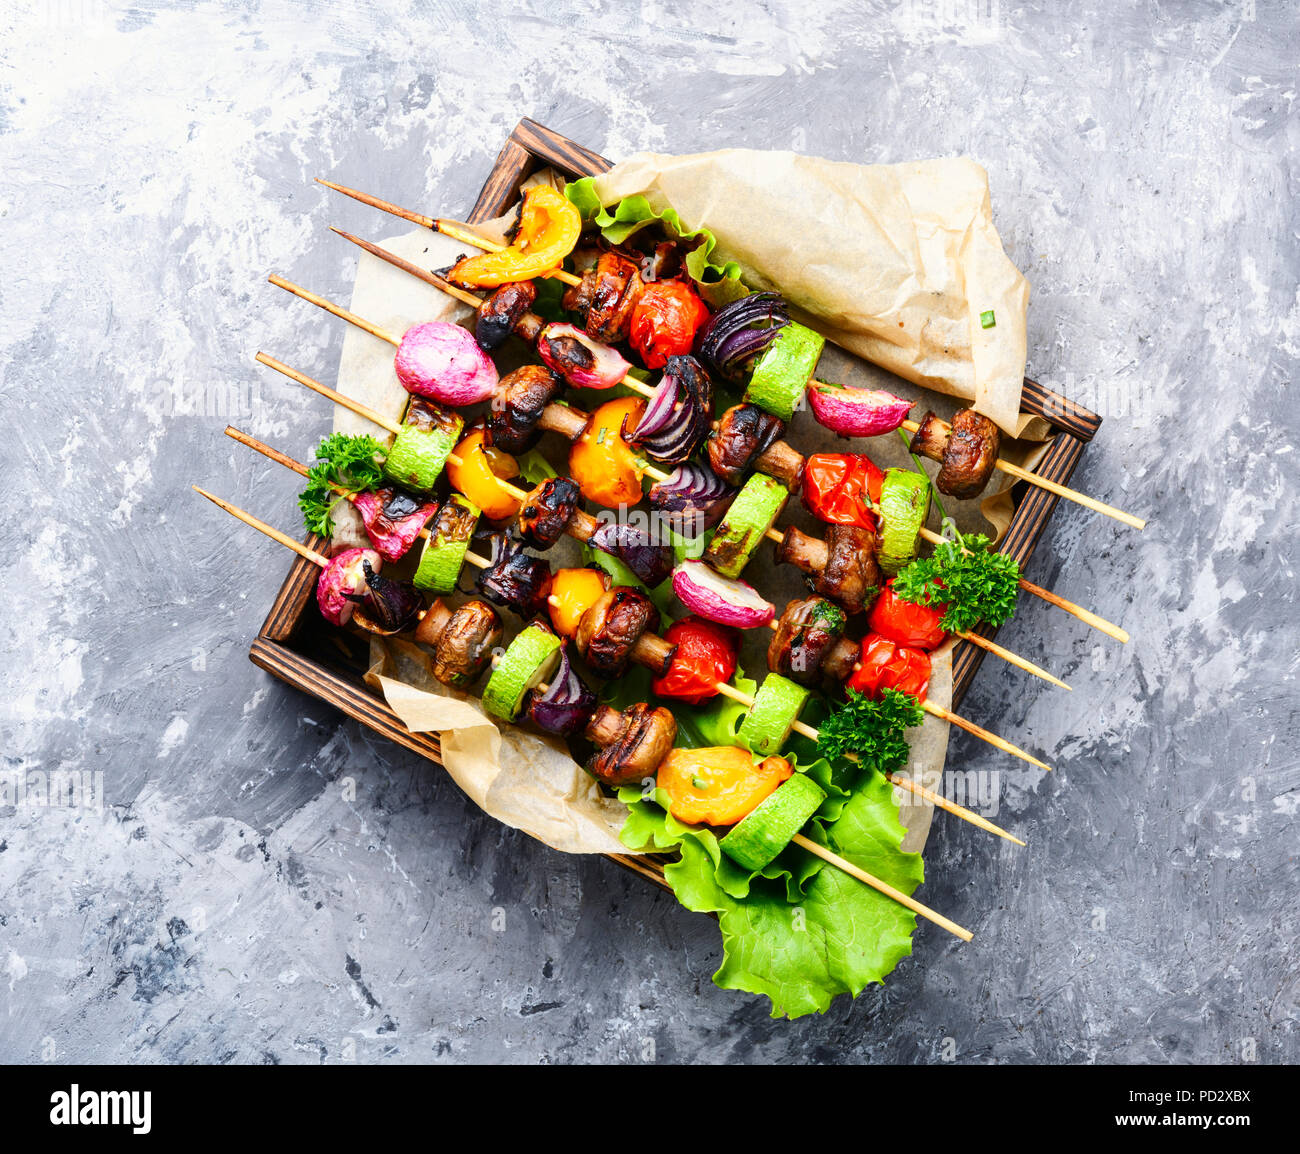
[(908, 624), (887, 665), (838, 487), (706, 654), (667, 315)]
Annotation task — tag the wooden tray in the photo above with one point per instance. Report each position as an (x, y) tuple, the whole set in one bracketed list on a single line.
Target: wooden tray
[(297, 646)]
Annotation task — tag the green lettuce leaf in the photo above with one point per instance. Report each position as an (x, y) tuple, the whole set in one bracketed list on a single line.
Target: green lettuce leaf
[(718, 284), (800, 932)]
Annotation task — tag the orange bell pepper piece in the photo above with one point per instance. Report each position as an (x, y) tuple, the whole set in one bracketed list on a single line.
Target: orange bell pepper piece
[(549, 227), (604, 465), (477, 475), (573, 592), (718, 785)]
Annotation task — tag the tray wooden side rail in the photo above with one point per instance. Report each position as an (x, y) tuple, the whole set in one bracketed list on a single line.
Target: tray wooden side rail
[(289, 645)]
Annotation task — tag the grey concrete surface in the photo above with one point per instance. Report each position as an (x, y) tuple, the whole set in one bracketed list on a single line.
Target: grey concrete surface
[(233, 902)]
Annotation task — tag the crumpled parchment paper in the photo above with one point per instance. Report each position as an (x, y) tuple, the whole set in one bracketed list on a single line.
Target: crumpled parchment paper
[(895, 262)]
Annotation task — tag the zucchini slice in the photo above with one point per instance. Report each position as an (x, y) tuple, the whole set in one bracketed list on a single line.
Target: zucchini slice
[(757, 839), (784, 370), (746, 522), (776, 708), (444, 549), (904, 506), (419, 452), (531, 658)]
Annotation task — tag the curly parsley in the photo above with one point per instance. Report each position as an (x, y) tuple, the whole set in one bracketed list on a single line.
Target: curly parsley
[(975, 583), (354, 463), (872, 731)]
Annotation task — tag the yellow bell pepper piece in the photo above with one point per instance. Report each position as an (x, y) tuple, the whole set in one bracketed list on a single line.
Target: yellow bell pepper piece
[(549, 226)]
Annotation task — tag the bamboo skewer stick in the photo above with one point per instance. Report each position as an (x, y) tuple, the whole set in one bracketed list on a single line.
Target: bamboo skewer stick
[(1059, 490), (337, 310), (743, 698), (262, 527), (952, 719), (982, 642), (450, 228), (468, 298), (883, 887)]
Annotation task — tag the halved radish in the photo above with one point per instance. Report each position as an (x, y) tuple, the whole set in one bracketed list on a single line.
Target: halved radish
[(721, 599), (857, 412)]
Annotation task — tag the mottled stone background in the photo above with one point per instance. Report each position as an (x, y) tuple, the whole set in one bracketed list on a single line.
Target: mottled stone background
[(230, 904)]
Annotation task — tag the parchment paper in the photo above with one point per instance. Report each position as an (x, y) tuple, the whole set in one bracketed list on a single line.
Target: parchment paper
[(521, 778), (895, 262)]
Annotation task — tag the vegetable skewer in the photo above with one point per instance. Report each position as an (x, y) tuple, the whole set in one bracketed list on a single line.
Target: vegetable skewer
[(568, 420), (582, 526), (780, 452), (468, 236), (481, 562), (841, 863), (813, 847)]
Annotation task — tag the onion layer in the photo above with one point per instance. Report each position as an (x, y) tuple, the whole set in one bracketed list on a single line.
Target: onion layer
[(636, 548), (692, 500), (741, 331), (567, 703), (680, 413)]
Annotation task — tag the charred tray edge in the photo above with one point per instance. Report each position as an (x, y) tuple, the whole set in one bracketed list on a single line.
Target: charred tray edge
[(529, 147)]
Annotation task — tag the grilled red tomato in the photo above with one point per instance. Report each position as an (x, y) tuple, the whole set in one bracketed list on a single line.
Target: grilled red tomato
[(906, 623), (884, 664), (706, 654), (667, 316), (840, 488)]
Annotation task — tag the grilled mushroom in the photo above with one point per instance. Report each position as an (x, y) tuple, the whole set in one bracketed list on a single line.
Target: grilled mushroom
[(843, 567), (547, 510), (739, 438), (805, 635), (502, 311), (967, 451), (633, 742), (607, 294), (465, 643), (968, 459), (517, 405), (608, 631)]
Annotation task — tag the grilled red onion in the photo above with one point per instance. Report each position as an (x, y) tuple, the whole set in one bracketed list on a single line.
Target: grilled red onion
[(584, 363), (393, 519), (386, 606), (567, 704), (730, 340), (693, 499), (514, 578), (679, 415), (636, 548)]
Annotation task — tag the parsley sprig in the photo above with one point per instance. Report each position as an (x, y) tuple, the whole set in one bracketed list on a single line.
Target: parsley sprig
[(354, 462), (975, 583), (873, 731)]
